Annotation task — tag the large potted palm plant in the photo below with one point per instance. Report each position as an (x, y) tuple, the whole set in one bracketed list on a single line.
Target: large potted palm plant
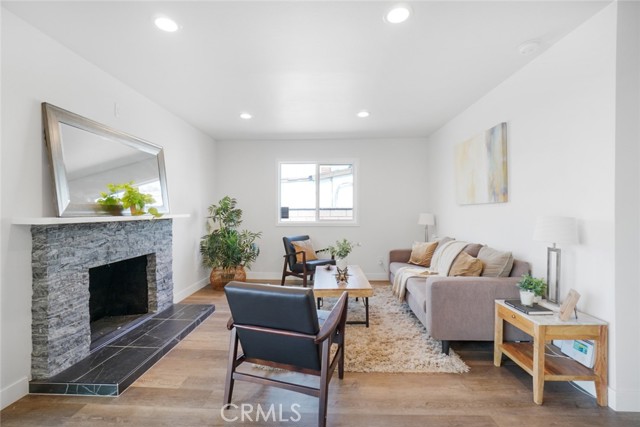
[(225, 249)]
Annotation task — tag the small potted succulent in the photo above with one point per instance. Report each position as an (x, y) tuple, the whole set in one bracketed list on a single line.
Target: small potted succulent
[(531, 289), (126, 196)]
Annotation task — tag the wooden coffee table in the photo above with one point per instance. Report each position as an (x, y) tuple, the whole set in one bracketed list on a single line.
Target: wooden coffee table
[(325, 285)]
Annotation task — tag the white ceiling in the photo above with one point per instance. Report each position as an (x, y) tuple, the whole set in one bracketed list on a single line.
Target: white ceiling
[(304, 68)]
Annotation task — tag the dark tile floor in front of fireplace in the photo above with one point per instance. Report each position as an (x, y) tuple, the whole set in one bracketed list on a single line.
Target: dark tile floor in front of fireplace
[(109, 370)]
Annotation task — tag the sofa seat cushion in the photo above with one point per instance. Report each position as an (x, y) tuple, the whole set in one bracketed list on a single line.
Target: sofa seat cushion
[(395, 266), (417, 290)]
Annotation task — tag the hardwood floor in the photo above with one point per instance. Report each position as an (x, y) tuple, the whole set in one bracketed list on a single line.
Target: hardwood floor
[(185, 388)]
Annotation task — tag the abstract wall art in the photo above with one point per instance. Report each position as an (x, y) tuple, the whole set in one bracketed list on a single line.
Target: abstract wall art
[(481, 168)]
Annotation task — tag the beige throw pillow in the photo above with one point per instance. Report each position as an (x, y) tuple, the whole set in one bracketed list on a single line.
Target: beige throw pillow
[(466, 265), (422, 252), (305, 246), (496, 263)]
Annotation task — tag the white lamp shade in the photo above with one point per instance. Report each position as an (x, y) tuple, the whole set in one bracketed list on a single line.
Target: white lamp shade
[(426, 219), (556, 229)]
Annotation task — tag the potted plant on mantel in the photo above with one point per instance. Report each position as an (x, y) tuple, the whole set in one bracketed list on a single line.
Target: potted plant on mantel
[(225, 249), (128, 197), (531, 289)]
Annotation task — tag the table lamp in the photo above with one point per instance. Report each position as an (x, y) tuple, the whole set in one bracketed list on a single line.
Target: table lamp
[(426, 219), (555, 229)]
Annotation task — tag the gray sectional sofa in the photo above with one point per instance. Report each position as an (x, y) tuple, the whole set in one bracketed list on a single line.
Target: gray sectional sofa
[(459, 308)]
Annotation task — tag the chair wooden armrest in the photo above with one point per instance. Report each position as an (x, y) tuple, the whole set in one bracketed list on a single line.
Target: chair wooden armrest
[(336, 319), (304, 256), (230, 323)]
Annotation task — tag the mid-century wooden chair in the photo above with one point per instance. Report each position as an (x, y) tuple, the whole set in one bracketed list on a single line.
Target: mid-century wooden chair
[(300, 268), (279, 327)]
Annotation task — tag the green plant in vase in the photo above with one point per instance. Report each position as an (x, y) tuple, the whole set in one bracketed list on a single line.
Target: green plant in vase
[(531, 285), (128, 197), (225, 249), (340, 251)]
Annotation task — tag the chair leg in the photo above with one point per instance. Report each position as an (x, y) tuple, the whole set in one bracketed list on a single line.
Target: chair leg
[(304, 275), (284, 272), (324, 385), (341, 362), (231, 367)]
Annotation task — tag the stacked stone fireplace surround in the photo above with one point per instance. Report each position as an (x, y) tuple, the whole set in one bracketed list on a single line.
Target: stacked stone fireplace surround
[(62, 255)]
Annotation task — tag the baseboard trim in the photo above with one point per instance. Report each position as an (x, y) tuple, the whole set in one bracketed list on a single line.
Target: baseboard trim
[(269, 275), (14, 392), (624, 400), (190, 290)]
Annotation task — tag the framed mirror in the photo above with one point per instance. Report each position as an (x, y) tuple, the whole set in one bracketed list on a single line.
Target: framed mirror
[(86, 156)]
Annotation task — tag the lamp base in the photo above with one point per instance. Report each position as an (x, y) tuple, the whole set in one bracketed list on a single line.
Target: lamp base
[(553, 274)]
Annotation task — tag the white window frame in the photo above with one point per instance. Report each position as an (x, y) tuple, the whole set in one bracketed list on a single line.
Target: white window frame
[(318, 222)]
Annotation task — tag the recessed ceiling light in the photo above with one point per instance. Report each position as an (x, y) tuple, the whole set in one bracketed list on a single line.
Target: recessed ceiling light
[(398, 14), (166, 24), (363, 114), (529, 47), (245, 116)]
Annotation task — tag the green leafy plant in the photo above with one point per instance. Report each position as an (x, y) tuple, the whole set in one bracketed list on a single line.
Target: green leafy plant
[(342, 248), (528, 283), (225, 246), (128, 197)]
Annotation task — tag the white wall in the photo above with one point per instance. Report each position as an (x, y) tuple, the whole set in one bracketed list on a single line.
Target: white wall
[(391, 181), (627, 249), (35, 69), (561, 115)]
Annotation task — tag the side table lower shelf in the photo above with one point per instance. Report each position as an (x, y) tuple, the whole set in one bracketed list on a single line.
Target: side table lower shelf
[(555, 368)]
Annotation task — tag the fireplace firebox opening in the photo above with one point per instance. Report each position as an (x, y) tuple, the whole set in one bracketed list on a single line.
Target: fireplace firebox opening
[(118, 296)]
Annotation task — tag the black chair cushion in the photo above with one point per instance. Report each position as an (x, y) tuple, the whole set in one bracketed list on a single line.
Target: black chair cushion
[(311, 265)]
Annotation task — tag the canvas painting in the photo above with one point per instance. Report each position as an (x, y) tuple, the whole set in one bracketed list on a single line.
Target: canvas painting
[(481, 168)]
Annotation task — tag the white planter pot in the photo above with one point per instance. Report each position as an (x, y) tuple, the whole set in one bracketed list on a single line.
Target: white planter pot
[(537, 298), (341, 263), (526, 297)]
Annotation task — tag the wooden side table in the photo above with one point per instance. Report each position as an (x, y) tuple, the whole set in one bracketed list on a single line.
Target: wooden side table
[(543, 328)]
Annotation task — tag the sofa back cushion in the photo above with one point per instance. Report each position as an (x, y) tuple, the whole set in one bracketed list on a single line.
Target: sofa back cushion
[(496, 263), (473, 249), (519, 268)]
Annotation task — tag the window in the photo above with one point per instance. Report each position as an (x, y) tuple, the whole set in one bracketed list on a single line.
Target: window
[(316, 192)]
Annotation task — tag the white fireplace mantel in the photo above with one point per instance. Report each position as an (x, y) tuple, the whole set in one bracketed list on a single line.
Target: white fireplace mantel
[(92, 219)]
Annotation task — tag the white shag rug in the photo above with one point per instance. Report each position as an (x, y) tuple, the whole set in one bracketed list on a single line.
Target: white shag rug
[(395, 341)]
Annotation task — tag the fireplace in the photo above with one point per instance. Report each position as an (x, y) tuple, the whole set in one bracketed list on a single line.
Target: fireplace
[(117, 296), (64, 259)]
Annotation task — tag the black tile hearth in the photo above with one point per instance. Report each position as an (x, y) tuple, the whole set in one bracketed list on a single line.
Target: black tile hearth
[(110, 369)]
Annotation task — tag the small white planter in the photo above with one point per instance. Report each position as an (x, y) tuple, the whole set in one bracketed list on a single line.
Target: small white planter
[(341, 263), (526, 297)]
